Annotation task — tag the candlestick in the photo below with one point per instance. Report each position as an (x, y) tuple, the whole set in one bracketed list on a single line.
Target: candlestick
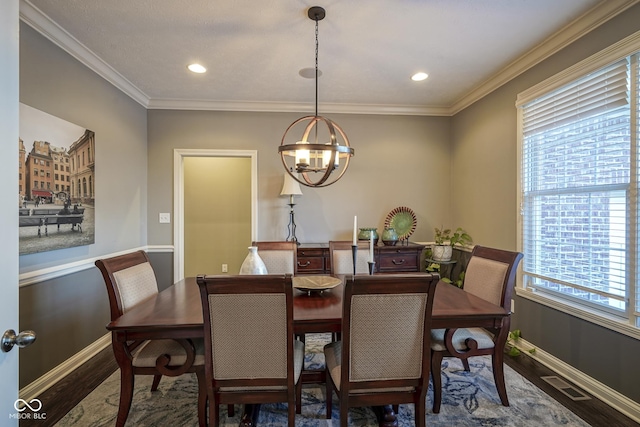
[(355, 230), (354, 252), (371, 246), (372, 266)]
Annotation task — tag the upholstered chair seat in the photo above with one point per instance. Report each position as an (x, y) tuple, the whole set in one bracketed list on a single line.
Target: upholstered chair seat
[(147, 354), (341, 255), (279, 257), (130, 280), (482, 337), (382, 357), (251, 355), (490, 275)]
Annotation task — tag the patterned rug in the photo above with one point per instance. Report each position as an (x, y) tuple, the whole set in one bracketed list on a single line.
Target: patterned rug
[(468, 399)]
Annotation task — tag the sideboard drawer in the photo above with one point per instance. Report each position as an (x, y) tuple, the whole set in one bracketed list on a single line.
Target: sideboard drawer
[(399, 260), (312, 260), (310, 265)]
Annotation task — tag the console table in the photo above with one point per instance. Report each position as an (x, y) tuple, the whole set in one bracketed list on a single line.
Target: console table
[(313, 258)]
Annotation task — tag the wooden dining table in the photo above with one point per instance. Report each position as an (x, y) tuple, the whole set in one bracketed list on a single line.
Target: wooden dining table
[(176, 313)]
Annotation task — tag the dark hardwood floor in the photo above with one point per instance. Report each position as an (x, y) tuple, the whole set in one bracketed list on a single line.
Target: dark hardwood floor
[(63, 396)]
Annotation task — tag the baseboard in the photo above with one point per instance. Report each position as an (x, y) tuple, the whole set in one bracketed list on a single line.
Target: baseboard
[(33, 390), (606, 394)]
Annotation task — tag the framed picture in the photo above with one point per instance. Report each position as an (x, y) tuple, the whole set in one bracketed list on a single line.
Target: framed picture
[(56, 195)]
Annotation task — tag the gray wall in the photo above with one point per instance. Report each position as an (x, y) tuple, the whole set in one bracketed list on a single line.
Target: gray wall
[(484, 159), (456, 171), (399, 161), (70, 312)]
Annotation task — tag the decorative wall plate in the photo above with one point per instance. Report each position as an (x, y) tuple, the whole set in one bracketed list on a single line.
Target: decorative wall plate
[(315, 283), (403, 220)]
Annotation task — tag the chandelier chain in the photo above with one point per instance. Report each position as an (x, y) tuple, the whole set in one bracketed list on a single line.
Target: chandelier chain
[(316, 65)]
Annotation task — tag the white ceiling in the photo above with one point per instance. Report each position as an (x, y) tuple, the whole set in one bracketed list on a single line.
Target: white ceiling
[(253, 50)]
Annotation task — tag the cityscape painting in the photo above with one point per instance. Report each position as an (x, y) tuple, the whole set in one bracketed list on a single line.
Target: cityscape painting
[(56, 196)]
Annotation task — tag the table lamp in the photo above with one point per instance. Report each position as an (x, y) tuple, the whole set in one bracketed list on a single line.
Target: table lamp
[(291, 188)]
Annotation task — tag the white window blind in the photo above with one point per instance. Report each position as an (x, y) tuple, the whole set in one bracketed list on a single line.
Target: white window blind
[(579, 179)]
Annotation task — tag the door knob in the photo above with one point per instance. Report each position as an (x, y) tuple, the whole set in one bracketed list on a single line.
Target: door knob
[(23, 339)]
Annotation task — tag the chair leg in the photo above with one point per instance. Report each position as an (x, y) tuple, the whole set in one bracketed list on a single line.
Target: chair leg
[(498, 376), (420, 411), (329, 393), (231, 410), (291, 411), (214, 416), (126, 395), (344, 410), (436, 378), (299, 396), (465, 364), (156, 382), (202, 398)]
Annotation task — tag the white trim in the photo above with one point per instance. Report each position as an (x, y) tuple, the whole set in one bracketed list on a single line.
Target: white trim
[(178, 197), (37, 276), (39, 386), (615, 52), (584, 24), (44, 274), (293, 107), (35, 18), (608, 395)]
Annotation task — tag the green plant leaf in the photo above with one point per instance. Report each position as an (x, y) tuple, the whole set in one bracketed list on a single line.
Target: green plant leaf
[(513, 352)]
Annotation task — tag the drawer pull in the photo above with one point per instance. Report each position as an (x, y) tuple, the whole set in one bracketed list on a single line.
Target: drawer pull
[(308, 263), (398, 262)]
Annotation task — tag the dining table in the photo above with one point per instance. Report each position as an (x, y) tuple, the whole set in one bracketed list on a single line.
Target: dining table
[(176, 313)]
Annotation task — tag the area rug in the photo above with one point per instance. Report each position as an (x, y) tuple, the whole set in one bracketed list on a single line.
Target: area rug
[(468, 399)]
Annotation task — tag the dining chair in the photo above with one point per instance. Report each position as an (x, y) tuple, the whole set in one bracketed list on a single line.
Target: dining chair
[(382, 357), (490, 275), (130, 279), (251, 355), (279, 257), (341, 256)]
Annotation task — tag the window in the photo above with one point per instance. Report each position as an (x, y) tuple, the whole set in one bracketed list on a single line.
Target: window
[(579, 178)]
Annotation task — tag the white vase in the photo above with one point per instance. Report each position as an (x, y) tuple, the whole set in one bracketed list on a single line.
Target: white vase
[(441, 252), (253, 264)]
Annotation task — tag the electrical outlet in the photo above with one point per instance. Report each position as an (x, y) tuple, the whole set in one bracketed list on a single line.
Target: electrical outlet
[(165, 218), (225, 268)]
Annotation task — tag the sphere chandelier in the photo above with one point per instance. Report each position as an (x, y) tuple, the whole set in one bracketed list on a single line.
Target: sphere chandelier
[(323, 159)]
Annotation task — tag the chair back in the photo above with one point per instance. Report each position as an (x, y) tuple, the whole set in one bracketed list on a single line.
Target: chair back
[(386, 331), (129, 279), (341, 256), (248, 323), (491, 275), (279, 257)]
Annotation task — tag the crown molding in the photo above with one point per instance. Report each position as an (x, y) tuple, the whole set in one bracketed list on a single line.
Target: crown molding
[(580, 26), (32, 16), (295, 107), (593, 18)]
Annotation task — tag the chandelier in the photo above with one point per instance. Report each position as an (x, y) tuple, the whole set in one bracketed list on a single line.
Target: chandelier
[(323, 149)]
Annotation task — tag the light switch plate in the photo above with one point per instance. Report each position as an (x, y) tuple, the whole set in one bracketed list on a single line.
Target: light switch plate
[(165, 218)]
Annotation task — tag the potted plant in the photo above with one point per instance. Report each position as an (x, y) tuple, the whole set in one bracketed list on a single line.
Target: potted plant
[(446, 240)]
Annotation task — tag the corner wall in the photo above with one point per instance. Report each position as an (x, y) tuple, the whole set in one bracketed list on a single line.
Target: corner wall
[(70, 312), (484, 178)]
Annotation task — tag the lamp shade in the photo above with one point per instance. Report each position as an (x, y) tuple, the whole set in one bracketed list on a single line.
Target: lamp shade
[(290, 187)]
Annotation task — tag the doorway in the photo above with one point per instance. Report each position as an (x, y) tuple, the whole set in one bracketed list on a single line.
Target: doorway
[(215, 210)]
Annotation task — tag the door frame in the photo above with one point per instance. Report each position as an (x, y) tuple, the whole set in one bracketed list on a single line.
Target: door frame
[(178, 197)]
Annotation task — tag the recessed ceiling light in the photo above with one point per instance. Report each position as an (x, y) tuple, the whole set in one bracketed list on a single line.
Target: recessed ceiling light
[(197, 68), (418, 77)]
